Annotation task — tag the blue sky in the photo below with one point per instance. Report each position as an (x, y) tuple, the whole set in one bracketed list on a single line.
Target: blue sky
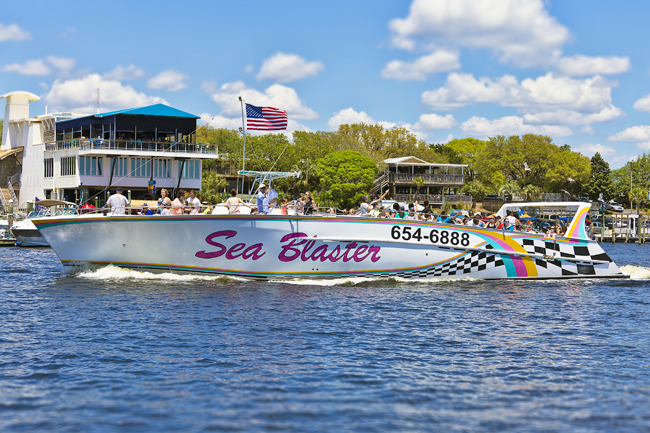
[(575, 70)]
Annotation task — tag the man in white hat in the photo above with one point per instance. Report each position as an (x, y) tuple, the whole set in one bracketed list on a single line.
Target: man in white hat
[(262, 200)]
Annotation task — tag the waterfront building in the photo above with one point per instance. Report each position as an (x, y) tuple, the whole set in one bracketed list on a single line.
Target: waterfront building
[(439, 181), (75, 157)]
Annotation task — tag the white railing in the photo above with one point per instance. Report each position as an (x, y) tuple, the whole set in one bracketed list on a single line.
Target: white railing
[(131, 146)]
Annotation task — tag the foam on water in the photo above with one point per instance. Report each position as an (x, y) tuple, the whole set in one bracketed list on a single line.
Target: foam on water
[(114, 272), (636, 272)]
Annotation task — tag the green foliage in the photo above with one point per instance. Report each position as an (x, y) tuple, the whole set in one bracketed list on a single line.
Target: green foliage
[(476, 190), (531, 192), (345, 176), (533, 160), (468, 151), (600, 179), (212, 188), (509, 189)]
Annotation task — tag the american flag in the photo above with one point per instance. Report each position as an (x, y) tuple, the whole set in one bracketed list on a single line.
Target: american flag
[(265, 118)]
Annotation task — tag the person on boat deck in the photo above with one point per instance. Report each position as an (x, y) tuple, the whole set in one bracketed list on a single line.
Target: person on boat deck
[(273, 198), (309, 204), (117, 202), (284, 209), (442, 217), (492, 224), (475, 221), (194, 202), (179, 203), (163, 193), (165, 205), (401, 214), (262, 200), (411, 215), (366, 208), (233, 203), (375, 210), (146, 210)]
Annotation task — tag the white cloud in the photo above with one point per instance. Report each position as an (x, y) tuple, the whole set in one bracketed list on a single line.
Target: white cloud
[(585, 65), (31, 67), (283, 68), (634, 133), (209, 86), (590, 150), (121, 73), (510, 125), (570, 117), (12, 32), (78, 95), (349, 116), (170, 80), (547, 91), (521, 31), (276, 95), (435, 121), (62, 63), (643, 104), (438, 61)]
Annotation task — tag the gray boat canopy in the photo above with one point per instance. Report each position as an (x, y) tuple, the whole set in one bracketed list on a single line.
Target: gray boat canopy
[(50, 203)]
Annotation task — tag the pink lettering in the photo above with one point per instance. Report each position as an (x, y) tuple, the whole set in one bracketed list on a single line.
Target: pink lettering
[(227, 233), (289, 252), (230, 255), (334, 255), (374, 251), (348, 247), (319, 254), (305, 251), (357, 254), (253, 251)]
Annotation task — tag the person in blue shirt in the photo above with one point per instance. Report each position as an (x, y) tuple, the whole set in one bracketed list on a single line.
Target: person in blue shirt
[(146, 210), (262, 200)]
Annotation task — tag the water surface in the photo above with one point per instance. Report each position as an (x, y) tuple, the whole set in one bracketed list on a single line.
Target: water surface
[(106, 349)]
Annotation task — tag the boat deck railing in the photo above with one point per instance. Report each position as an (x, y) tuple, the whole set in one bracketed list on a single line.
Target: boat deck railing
[(131, 146)]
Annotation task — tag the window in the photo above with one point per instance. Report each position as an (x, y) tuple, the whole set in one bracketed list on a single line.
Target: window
[(49, 167), (140, 167), (162, 167), (90, 166), (190, 169), (68, 166), (121, 165)]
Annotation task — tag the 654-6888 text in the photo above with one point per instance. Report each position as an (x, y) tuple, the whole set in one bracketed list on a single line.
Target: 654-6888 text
[(435, 236)]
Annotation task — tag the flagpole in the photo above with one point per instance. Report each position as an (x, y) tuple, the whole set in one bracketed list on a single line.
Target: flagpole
[(243, 164)]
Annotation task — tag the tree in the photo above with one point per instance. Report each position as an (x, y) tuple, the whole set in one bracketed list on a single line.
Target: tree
[(419, 183), (476, 190), (599, 179), (212, 185), (345, 177), (531, 192), (467, 151), (509, 189)]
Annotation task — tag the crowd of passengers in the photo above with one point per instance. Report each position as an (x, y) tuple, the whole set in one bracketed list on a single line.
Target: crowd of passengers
[(267, 201)]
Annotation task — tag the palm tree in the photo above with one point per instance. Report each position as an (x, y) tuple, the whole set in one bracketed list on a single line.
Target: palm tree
[(419, 182), (476, 190), (532, 192), (509, 189)]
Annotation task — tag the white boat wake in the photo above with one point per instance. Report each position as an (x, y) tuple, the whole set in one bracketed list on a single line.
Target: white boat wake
[(636, 272)]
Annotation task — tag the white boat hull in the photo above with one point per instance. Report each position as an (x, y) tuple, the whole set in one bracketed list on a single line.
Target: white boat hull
[(27, 235), (266, 246)]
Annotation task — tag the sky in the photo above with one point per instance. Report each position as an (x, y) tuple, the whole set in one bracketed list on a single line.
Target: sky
[(577, 71)]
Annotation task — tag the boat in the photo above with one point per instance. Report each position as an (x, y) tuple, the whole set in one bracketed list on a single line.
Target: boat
[(26, 233), (329, 246)]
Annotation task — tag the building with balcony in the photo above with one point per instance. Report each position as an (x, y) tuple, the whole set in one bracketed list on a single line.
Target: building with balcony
[(70, 156), (439, 181)]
